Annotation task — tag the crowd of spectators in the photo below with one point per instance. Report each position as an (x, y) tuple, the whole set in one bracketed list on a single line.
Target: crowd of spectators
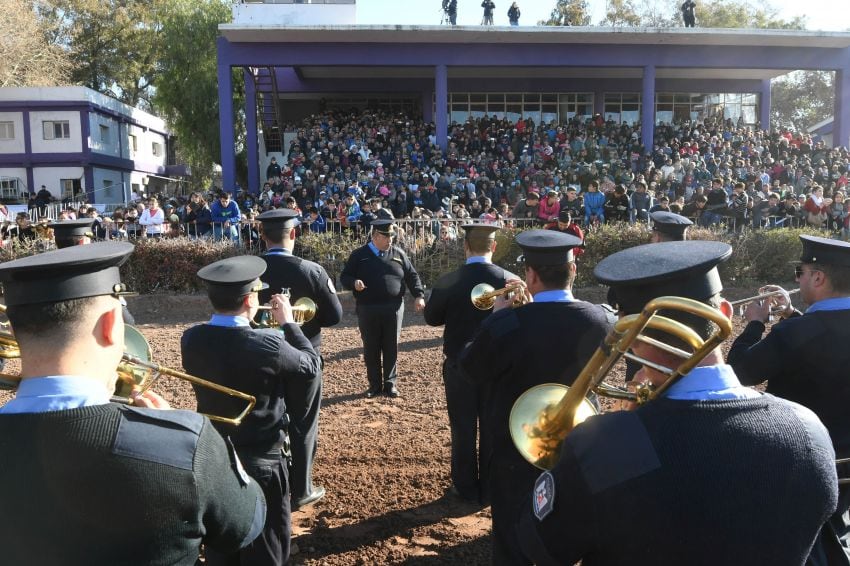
[(344, 170)]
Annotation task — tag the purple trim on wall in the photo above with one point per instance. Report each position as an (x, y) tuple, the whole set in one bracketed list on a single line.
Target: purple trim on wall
[(764, 105), (71, 105), (28, 149), (251, 136), (225, 117), (647, 111), (556, 55), (77, 160), (85, 139), (441, 73)]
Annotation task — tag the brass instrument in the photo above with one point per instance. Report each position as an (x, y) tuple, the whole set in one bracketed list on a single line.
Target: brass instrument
[(742, 302), (303, 310), (136, 373), (543, 416), (483, 296)]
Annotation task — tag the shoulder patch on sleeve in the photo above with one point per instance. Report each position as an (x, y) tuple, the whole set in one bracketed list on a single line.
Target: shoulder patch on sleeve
[(164, 437), (612, 448), (543, 495), (502, 323)]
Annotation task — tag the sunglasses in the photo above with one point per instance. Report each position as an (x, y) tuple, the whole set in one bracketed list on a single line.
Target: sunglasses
[(799, 271)]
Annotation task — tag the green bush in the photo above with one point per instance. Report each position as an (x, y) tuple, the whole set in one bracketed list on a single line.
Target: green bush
[(172, 265)]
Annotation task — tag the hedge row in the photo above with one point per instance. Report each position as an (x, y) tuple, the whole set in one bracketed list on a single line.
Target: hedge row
[(171, 265), (759, 256)]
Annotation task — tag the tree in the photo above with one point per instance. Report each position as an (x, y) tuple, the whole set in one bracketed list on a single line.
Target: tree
[(27, 55), (759, 14), (659, 13), (112, 43), (187, 87), (568, 13), (801, 99), (621, 13)]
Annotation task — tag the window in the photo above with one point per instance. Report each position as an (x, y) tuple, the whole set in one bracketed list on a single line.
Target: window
[(107, 187), (134, 143), (7, 130), (104, 134), (56, 130), (156, 149)]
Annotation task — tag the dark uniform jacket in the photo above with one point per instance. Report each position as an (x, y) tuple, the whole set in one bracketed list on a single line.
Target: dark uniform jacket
[(702, 483), (251, 361), (304, 279), (384, 277), (804, 359), (110, 484), (515, 349), (450, 303)]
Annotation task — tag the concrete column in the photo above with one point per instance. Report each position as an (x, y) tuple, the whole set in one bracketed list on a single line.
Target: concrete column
[(251, 134), (428, 106), (441, 87), (841, 114), (764, 105), (647, 109), (599, 103), (225, 120)]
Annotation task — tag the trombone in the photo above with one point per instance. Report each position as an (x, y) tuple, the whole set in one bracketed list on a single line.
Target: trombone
[(483, 295), (543, 416), (137, 372)]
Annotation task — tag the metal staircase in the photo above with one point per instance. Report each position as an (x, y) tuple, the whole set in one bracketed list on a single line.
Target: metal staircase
[(268, 109)]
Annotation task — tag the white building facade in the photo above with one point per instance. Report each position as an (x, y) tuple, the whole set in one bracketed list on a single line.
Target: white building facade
[(77, 143)]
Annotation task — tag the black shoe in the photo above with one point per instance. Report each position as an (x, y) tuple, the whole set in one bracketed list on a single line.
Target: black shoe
[(318, 493), (391, 391), (372, 392), (455, 493)]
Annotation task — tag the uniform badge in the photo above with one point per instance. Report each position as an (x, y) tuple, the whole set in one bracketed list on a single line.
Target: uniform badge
[(544, 495), (331, 287), (244, 478)]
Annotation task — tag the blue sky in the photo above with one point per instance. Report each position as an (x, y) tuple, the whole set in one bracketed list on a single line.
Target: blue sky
[(821, 14)]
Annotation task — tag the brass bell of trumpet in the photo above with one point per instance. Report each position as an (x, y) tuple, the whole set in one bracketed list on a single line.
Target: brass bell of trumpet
[(544, 415), (303, 311), (483, 295)]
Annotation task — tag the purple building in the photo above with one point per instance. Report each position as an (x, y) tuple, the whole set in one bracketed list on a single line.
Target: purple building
[(547, 73), (76, 142)]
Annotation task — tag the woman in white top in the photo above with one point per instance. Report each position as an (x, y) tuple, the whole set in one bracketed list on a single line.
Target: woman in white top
[(152, 219)]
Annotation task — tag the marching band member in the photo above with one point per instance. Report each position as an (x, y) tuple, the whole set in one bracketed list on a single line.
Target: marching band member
[(547, 340), (710, 473), (450, 305), (227, 351), (94, 482), (303, 396), (804, 358)]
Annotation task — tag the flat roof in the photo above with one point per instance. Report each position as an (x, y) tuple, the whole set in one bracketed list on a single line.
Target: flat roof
[(240, 33)]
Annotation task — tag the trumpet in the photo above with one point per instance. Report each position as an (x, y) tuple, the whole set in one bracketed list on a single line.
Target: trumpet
[(303, 310), (483, 296), (136, 373), (766, 295), (544, 415)]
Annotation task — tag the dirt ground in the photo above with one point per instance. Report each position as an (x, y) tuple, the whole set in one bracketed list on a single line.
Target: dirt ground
[(384, 462)]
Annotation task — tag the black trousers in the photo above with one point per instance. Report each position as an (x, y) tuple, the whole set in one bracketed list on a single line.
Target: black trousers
[(512, 482), (303, 401), (464, 404), (271, 548), (380, 328)]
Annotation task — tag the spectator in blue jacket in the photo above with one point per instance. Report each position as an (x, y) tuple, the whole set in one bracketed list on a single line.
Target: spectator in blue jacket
[(225, 216)]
